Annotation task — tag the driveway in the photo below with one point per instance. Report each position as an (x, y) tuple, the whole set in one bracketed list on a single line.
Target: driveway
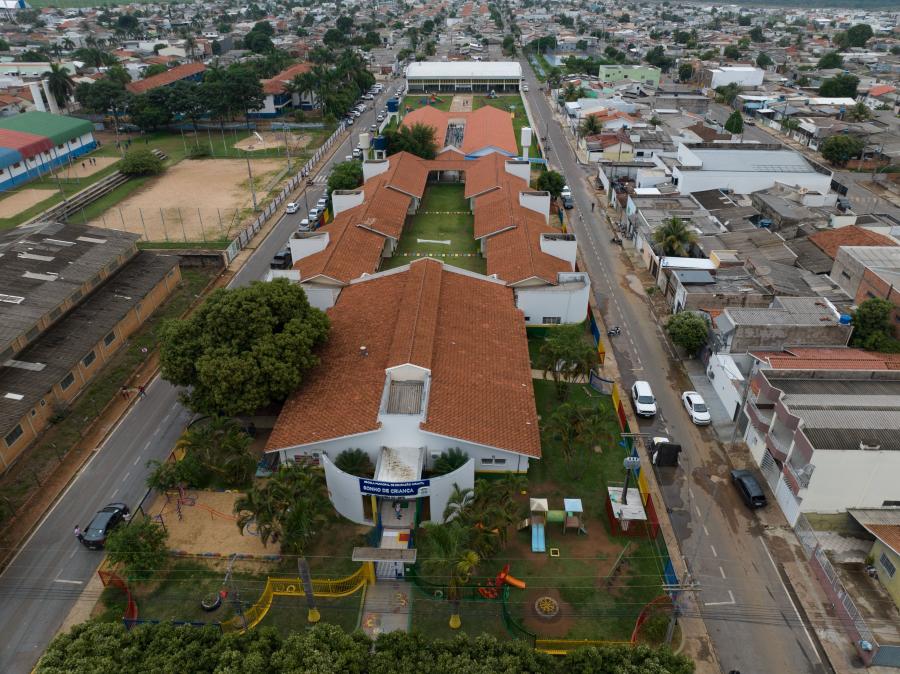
[(750, 617)]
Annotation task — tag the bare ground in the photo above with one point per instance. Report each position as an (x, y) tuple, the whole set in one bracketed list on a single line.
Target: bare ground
[(22, 200)]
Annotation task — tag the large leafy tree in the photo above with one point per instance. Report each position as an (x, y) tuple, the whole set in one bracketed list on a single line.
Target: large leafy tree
[(831, 60), (243, 348), (101, 96), (140, 547), (656, 56), (223, 447), (417, 139), (150, 111), (567, 357), (727, 93), (855, 36), (841, 149), (840, 86), (735, 123), (688, 330), (552, 182), (872, 329), (347, 175), (685, 72), (289, 509), (674, 237)]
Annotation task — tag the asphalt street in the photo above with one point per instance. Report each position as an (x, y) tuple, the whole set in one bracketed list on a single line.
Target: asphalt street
[(46, 578), (752, 621)]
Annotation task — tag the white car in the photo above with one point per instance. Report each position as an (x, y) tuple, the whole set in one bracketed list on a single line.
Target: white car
[(566, 192), (525, 88), (292, 208), (304, 225), (643, 399), (321, 203), (314, 214), (696, 408)]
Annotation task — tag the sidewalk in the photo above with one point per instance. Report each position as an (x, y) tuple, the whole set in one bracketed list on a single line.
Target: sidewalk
[(386, 608)]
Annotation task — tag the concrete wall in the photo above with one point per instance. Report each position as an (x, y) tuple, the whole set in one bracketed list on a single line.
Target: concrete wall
[(851, 479), (539, 302), (519, 168), (748, 337), (343, 490), (441, 487), (744, 78), (344, 200), (539, 202), (321, 296), (304, 246), (890, 582), (727, 380), (847, 272), (564, 249)]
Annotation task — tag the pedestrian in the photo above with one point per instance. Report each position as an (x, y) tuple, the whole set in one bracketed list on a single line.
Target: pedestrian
[(397, 509), (592, 206), (142, 393), (82, 166), (124, 392), (78, 534)]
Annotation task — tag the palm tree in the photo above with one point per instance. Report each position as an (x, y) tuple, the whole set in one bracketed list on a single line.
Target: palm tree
[(289, 508), (60, 84), (571, 92), (567, 357), (67, 44), (223, 446), (590, 126), (445, 552), (449, 461), (457, 503), (565, 425), (674, 237), (355, 462), (859, 112)]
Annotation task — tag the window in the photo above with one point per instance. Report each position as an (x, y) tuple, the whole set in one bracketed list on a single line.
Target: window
[(109, 339), (17, 164), (67, 381), (845, 274), (551, 320), (887, 565), (499, 462), (13, 436), (88, 359), (487, 461)]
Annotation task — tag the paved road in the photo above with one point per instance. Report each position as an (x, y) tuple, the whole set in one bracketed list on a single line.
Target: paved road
[(45, 580), (748, 612)]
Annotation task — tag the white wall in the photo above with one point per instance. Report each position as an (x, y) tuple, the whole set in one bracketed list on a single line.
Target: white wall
[(569, 303), (521, 169), (344, 200), (745, 182), (304, 246), (322, 297), (343, 490), (560, 248), (756, 442), (441, 487), (727, 380), (746, 78), (374, 168), (851, 479), (539, 202)]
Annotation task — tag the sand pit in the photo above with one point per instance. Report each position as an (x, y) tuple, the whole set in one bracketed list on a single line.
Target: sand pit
[(76, 170), (208, 525), (273, 140), (461, 103), (194, 200), (22, 200)]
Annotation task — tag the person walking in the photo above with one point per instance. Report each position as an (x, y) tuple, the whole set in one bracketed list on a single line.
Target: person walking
[(592, 206), (142, 392), (78, 534)]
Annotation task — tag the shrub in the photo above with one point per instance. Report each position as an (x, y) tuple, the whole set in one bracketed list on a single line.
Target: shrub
[(140, 162)]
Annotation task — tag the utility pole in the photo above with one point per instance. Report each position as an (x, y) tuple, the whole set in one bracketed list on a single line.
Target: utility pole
[(250, 177)]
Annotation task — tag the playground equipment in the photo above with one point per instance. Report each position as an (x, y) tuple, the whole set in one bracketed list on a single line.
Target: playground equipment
[(539, 510), (492, 591), (573, 509)]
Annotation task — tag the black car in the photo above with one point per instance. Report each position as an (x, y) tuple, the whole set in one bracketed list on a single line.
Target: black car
[(748, 488), (107, 519)]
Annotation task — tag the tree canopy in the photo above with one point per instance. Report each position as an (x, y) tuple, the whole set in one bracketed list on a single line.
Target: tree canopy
[(140, 547), (840, 86), (735, 123), (841, 149), (418, 139), (326, 649), (347, 175), (856, 36), (552, 182), (872, 329), (831, 60), (657, 57), (688, 330), (140, 161), (244, 348), (674, 237)]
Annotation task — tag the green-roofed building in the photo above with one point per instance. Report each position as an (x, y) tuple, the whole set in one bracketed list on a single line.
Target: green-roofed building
[(33, 143)]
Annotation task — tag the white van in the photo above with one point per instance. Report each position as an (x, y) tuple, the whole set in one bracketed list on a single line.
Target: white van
[(642, 397)]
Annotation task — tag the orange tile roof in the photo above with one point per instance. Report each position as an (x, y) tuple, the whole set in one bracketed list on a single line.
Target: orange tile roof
[(486, 127), (828, 358), (830, 240), (351, 251), (277, 84), (164, 79), (881, 90), (515, 255), (464, 328), (889, 534)]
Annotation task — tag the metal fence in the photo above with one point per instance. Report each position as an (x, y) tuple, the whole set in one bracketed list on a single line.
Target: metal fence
[(245, 236)]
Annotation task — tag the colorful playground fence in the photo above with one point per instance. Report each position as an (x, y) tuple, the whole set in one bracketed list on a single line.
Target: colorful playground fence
[(109, 577), (293, 587)]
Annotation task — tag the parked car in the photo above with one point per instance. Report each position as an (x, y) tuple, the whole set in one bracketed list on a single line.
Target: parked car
[(292, 207), (643, 399), (568, 202), (525, 88), (357, 153), (565, 192), (304, 225), (696, 407), (749, 489), (322, 203), (380, 117), (373, 128), (314, 214), (368, 97), (282, 260), (95, 534)]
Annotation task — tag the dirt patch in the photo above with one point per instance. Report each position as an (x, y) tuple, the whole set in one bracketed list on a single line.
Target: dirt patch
[(461, 104), (549, 628), (82, 167), (22, 200), (194, 200), (207, 524), (273, 140)]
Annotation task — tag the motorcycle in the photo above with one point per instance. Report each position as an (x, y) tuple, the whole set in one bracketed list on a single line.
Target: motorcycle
[(615, 331), (616, 240)]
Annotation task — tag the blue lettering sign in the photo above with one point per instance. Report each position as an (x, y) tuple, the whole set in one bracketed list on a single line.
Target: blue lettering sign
[(414, 489)]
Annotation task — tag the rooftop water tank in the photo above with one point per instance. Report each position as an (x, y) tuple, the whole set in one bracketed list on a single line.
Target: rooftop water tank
[(846, 319), (379, 143), (393, 104)]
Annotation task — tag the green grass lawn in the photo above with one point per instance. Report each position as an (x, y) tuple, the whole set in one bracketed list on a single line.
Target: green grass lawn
[(415, 101), (288, 614), (537, 335), (431, 618), (443, 215)]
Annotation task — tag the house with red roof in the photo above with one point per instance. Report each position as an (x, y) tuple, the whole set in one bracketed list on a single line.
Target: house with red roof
[(471, 133), (187, 71), (880, 95), (279, 96)]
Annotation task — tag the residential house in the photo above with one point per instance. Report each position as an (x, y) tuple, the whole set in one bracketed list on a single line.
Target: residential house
[(187, 71)]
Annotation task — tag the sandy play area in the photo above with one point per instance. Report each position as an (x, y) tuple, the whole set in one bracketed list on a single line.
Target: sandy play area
[(208, 525), (461, 103), (274, 139), (76, 170), (194, 200), (21, 200)]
